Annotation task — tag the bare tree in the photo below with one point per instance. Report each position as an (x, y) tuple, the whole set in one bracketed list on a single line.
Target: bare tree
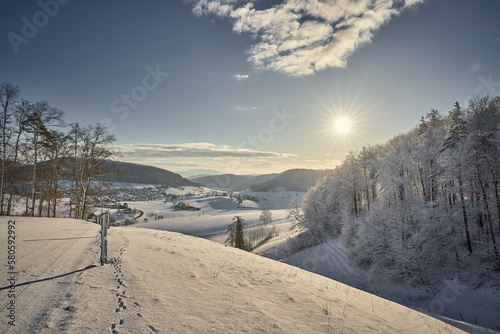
[(266, 217), (91, 162), (8, 96), (42, 115), (21, 112), (55, 144)]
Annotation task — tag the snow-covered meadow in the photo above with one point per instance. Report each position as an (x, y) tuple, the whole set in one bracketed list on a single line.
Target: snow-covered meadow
[(142, 254), (451, 301), (166, 282)]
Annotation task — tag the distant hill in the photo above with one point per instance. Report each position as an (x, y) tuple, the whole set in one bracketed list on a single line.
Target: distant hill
[(256, 180), (224, 181), (195, 173), (136, 173), (292, 180)]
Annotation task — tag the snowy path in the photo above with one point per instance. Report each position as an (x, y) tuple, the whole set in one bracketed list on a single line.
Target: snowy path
[(165, 282), (53, 260)]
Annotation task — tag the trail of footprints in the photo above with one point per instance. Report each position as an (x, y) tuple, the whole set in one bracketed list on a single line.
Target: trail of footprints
[(120, 294)]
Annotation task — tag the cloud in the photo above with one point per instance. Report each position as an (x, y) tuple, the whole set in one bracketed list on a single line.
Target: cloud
[(240, 76), (243, 108), (301, 37), (192, 150)]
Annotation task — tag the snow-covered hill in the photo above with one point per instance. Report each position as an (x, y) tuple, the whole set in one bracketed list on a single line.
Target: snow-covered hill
[(165, 282)]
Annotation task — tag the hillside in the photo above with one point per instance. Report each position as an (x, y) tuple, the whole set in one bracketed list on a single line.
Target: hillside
[(291, 180), (256, 180), (195, 173), (165, 282), (136, 173), (224, 181)]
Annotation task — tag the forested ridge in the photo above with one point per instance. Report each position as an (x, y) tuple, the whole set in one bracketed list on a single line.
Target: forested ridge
[(423, 206)]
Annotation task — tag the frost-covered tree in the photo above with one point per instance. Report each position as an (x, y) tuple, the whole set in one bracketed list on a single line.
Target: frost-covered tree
[(426, 201), (266, 217)]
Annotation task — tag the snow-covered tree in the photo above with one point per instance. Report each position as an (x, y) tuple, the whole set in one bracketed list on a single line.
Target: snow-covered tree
[(266, 217), (426, 201)]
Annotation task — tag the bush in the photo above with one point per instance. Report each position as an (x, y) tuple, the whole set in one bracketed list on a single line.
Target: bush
[(129, 222), (259, 234)]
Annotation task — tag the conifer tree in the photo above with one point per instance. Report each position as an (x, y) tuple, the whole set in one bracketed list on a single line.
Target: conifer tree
[(236, 233)]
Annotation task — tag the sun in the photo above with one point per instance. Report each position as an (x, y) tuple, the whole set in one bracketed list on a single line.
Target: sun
[(342, 125)]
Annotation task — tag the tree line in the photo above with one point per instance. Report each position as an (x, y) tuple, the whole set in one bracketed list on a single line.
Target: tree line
[(44, 159), (426, 202)]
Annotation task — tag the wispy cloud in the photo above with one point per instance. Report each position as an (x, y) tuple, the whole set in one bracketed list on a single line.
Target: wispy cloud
[(300, 37), (192, 150), (240, 76), (243, 108)]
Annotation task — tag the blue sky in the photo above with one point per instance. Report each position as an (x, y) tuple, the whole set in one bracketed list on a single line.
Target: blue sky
[(250, 87)]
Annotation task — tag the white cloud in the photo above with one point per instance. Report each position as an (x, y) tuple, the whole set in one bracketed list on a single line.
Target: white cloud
[(192, 150), (300, 37), (241, 76), (243, 108)]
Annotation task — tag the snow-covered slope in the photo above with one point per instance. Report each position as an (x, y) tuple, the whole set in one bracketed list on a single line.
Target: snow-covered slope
[(452, 301), (165, 282)]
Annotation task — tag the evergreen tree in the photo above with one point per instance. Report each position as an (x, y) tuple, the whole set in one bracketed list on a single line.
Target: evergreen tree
[(236, 234)]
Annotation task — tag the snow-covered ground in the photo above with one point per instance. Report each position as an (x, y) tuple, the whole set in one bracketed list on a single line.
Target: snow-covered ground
[(453, 301), (165, 282), (216, 213)]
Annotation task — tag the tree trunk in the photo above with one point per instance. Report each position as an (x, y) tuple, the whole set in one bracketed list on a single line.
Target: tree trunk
[(464, 212), (34, 179)]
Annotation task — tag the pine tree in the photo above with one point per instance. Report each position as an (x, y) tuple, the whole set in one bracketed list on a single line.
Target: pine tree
[(236, 234)]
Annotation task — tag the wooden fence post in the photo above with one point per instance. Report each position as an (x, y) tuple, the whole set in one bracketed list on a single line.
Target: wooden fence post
[(104, 238)]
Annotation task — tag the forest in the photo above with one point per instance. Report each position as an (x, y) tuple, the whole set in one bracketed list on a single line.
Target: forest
[(39, 152), (421, 207)]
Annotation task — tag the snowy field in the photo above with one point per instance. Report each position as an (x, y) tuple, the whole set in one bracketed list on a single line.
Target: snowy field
[(165, 282), (453, 302), (215, 213)]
